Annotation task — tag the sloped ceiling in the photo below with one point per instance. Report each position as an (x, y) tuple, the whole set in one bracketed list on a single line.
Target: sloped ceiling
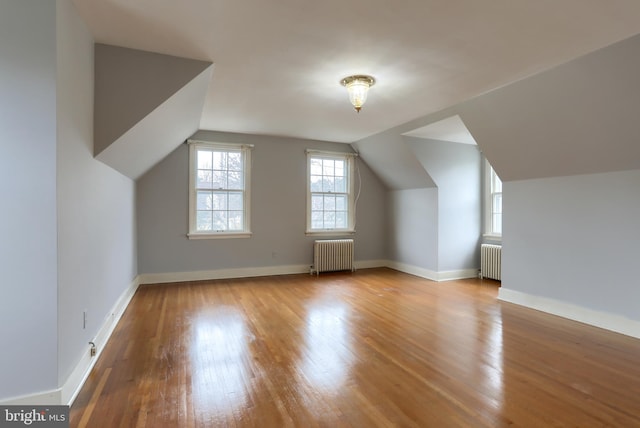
[(146, 104), (578, 118), (278, 63)]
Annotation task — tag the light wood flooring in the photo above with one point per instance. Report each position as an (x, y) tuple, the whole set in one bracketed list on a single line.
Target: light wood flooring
[(376, 348)]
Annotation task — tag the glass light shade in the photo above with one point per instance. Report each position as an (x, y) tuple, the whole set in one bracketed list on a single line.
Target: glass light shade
[(357, 93), (357, 87)]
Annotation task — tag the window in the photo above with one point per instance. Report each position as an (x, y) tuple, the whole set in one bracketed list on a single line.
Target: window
[(493, 202), (218, 190), (330, 198)]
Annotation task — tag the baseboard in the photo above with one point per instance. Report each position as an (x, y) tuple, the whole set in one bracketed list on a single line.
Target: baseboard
[(449, 275), (68, 392), (605, 320), (371, 264), (413, 270), (202, 275), (47, 398), (76, 380)]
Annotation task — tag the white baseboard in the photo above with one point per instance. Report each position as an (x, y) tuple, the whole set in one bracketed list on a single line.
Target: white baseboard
[(605, 320), (450, 275), (75, 381), (202, 275), (370, 264), (47, 398), (413, 270), (433, 275), (68, 392)]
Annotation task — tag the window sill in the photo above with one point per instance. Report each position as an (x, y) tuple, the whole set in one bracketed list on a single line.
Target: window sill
[(329, 232), (221, 235)]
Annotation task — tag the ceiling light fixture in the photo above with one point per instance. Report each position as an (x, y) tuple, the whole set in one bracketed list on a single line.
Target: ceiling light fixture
[(357, 86)]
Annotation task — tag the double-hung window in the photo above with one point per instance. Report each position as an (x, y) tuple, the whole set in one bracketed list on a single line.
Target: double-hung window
[(493, 202), (330, 193), (219, 177)]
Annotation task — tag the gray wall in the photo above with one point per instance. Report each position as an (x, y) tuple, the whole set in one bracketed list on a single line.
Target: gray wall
[(575, 239), (456, 170), (28, 360), (96, 204), (278, 211), (413, 227)]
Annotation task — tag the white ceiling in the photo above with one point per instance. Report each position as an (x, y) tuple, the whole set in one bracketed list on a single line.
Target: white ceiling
[(278, 63)]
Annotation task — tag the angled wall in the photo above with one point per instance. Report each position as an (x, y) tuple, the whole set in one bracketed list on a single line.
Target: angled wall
[(456, 170), (145, 104)]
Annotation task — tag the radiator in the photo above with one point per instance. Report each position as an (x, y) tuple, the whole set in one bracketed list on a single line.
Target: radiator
[(491, 261), (332, 255)]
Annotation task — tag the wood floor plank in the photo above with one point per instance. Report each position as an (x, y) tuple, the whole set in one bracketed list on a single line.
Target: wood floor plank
[(374, 348)]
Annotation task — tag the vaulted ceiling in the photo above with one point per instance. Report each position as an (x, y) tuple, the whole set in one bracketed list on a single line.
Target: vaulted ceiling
[(277, 64)]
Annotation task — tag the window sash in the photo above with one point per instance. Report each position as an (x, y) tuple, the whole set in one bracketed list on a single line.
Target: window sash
[(330, 204), (492, 202), (218, 194)]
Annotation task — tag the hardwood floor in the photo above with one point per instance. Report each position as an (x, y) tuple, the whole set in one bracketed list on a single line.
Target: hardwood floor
[(373, 348)]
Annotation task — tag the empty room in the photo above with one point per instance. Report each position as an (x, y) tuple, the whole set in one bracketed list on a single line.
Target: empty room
[(299, 214)]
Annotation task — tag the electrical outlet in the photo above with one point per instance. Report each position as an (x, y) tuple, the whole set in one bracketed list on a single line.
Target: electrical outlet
[(93, 349)]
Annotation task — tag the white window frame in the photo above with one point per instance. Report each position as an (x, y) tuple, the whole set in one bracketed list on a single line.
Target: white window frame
[(349, 159), (245, 150), (489, 195)]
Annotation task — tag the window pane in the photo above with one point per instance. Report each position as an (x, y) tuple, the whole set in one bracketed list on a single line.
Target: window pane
[(203, 220), (204, 179), (327, 166), (341, 203), (339, 168), (204, 201), (219, 201), (329, 220), (327, 184), (234, 161), (496, 184), (316, 166), (340, 185), (235, 220), (234, 180), (317, 220), (219, 180), (329, 203), (317, 202), (204, 159), (219, 220), (316, 183), (235, 201), (497, 203), (341, 219), (496, 224), (220, 160)]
